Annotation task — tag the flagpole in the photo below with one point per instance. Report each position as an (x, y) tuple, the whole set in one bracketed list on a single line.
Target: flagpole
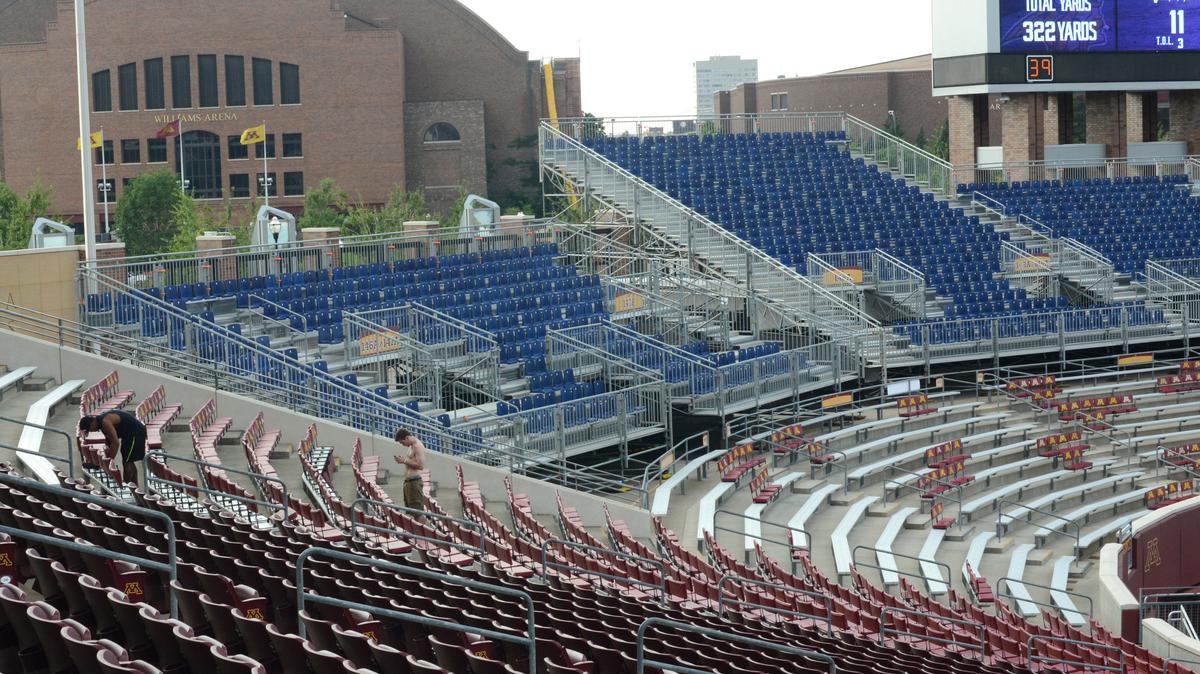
[(266, 176), (182, 163), (104, 177), (85, 135)]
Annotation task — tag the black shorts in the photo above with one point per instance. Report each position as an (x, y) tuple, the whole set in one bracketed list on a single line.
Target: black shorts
[(134, 449)]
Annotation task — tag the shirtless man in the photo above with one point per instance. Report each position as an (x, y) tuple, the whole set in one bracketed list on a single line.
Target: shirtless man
[(414, 463), (125, 437)]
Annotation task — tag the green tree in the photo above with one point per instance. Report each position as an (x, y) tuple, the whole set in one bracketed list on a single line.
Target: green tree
[(145, 218), (921, 141), (402, 206), (892, 125), (593, 126), (18, 213), (939, 145), (193, 219), (325, 206), (452, 219)]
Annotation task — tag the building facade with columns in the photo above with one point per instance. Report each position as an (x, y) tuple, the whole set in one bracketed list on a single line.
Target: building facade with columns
[(1065, 83), (374, 94)]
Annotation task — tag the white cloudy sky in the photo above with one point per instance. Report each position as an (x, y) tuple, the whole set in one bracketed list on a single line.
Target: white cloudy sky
[(638, 54)]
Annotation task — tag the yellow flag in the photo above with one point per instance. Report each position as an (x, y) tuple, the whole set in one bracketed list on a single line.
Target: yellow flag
[(97, 140), (255, 134)]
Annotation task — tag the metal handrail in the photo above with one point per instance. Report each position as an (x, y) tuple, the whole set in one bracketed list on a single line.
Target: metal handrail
[(34, 452), (256, 477), (885, 628), (646, 478), (355, 525), (642, 662), (823, 597), (169, 567), (920, 560), (22, 422), (301, 597), (790, 529), (1031, 657), (860, 318), (572, 545), (1002, 526), (1008, 582)]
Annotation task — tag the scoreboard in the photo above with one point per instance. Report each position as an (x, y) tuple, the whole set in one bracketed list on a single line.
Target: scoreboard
[(1073, 26), (1002, 46)]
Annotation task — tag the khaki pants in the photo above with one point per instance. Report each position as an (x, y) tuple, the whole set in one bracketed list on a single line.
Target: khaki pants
[(413, 496)]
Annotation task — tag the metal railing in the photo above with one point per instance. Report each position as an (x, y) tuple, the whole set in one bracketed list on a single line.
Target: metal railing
[(593, 551), (475, 528), (242, 262), (941, 566), (678, 455), (788, 591), (1084, 665), (643, 661), (1028, 270), (930, 620), (1162, 603), (237, 365), (900, 282), (1006, 582), (1173, 284), (1077, 169), (258, 479), (910, 161), (586, 128), (302, 596), (169, 567), (1002, 525), (33, 452), (598, 177), (833, 275)]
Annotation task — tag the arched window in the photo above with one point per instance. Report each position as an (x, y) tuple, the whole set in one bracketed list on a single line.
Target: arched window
[(441, 132)]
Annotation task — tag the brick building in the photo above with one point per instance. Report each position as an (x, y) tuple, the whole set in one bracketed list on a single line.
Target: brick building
[(370, 93), (868, 92)]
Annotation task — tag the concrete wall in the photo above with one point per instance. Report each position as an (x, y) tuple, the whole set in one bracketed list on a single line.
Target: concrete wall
[(1161, 639), (66, 363), (1116, 607), (44, 280)]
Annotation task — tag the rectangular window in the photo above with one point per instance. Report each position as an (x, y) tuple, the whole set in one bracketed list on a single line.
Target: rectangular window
[(269, 181), (292, 145), (239, 185), (181, 81), (783, 103), (206, 68), (268, 147), (102, 91), (236, 149), (104, 155), (263, 84), (152, 73), (293, 184), (235, 80), (289, 84), (156, 150), (131, 151), (127, 86), (106, 191)]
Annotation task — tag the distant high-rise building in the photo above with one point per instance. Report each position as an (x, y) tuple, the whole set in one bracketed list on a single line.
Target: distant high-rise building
[(721, 73)]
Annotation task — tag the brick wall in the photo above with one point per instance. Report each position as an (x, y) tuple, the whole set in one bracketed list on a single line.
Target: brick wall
[(1021, 130), (1059, 119), (1105, 121), (352, 92), (441, 168), (1185, 118), (963, 131)]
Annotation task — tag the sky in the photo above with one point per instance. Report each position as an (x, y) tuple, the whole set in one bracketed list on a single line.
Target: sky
[(638, 55)]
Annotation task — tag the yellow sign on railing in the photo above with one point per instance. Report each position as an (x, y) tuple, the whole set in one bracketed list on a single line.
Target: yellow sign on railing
[(375, 343), (838, 278), (1032, 263), (628, 302)]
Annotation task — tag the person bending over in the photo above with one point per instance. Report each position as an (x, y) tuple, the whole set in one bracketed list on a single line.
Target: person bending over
[(125, 437)]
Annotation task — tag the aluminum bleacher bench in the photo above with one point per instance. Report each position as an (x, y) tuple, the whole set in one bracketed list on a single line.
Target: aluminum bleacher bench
[(1027, 508), (841, 533), (800, 520), (707, 511), (1058, 592), (1083, 514), (863, 472), (31, 437), (662, 496), (995, 495), (888, 570), (929, 569), (15, 378), (1102, 531), (1016, 571), (754, 512)]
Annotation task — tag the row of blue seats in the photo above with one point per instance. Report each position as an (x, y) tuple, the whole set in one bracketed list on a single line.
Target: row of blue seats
[(553, 379), (552, 395), (1010, 324), (464, 263), (1076, 184)]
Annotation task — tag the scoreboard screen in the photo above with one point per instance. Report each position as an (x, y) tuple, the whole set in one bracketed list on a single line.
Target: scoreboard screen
[(1158, 25), (1088, 26)]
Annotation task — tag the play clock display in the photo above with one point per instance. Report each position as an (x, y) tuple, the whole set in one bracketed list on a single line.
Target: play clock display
[(1039, 68)]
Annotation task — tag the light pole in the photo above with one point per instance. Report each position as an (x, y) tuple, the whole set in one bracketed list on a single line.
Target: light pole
[(265, 181), (85, 134), (107, 189), (276, 227)]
